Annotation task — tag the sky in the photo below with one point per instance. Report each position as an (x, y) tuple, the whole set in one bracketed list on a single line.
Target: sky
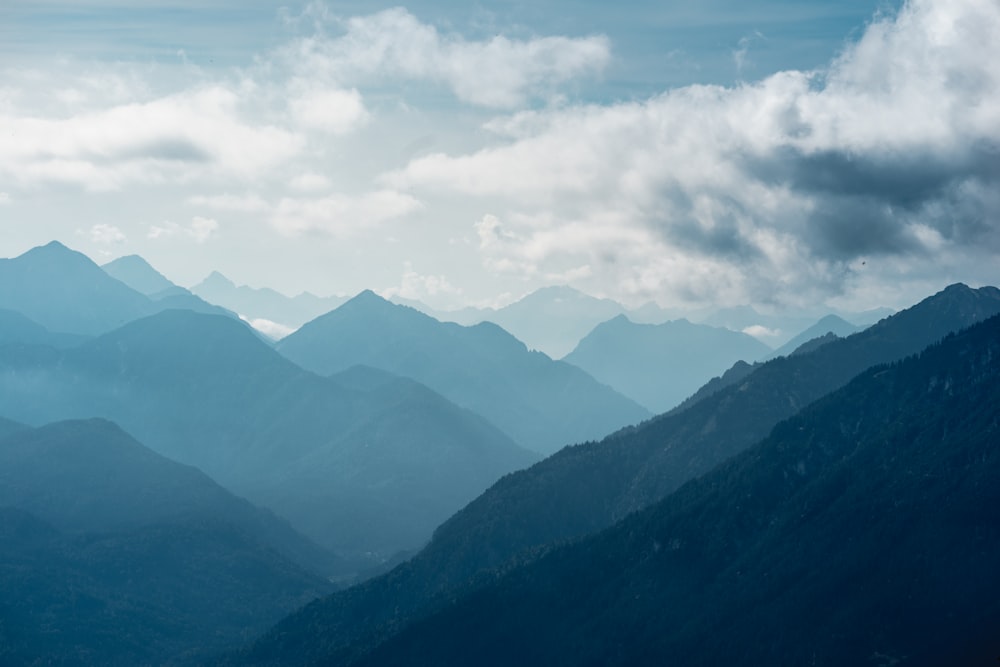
[(783, 154)]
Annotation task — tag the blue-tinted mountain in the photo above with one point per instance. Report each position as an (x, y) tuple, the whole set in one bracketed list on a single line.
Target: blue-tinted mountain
[(659, 365), (861, 531), (173, 592), (264, 303), (358, 471), (542, 404), (838, 326), (91, 477), (8, 426), (17, 328), (584, 489), (64, 291), (138, 274)]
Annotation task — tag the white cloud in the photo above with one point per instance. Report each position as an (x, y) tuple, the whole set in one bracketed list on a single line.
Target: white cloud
[(174, 138), (342, 215), (310, 181), (417, 286), (199, 230), (4, 198), (246, 203), (499, 72), (104, 234), (273, 330), (330, 110), (760, 332), (760, 191)]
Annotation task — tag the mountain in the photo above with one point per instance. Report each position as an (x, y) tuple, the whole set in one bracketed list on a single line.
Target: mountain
[(91, 477), (584, 489), (863, 530), (551, 319), (16, 328), (264, 303), (8, 426), (540, 403), (70, 296), (169, 593), (838, 326), (357, 471), (64, 291), (136, 272), (659, 365)]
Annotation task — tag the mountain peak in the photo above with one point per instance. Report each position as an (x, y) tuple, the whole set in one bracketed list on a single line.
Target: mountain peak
[(215, 280), (138, 274)]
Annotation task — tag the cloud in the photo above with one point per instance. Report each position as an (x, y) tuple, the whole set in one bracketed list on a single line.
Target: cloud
[(760, 332), (174, 138), (762, 191), (199, 231), (273, 330), (104, 234), (416, 286), (499, 72), (341, 215), (330, 110), (245, 203), (309, 181), (4, 198)]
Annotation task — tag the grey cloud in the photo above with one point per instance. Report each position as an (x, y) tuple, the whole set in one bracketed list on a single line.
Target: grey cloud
[(170, 150)]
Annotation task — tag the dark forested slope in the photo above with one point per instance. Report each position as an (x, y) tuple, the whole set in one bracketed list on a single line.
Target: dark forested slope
[(589, 487), (862, 531)]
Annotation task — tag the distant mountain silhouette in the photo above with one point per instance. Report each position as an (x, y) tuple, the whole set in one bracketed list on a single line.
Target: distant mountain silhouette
[(64, 291), (358, 471), (16, 328), (263, 303), (584, 489), (863, 530), (828, 324), (542, 404), (175, 592), (659, 365), (137, 273), (8, 426), (551, 319), (91, 477)]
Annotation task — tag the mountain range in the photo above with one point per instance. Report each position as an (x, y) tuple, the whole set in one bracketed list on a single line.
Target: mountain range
[(111, 554), (542, 404), (264, 304), (861, 531), (584, 489), (358, 471), (659, 365)]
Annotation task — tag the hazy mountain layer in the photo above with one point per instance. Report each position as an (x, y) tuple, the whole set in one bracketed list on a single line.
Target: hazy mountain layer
[(359, 471), (584, 489), (263, 303), (541, 404), (863, 530), (170, 593), (826, 325), (659, 365), (137, 273), (91, 477), (64, 291)]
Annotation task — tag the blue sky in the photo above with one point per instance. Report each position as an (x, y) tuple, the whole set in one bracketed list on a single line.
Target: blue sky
[(784, 154)]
